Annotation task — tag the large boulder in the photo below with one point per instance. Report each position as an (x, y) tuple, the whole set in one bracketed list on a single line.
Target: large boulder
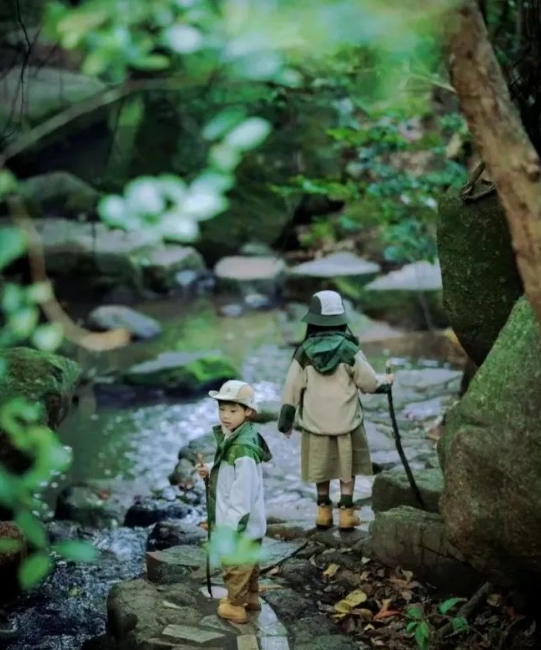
[(481, 282), (490, 457)]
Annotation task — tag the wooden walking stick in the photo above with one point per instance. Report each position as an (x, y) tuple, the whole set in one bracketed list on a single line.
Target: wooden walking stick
[(207, 499), (398, 442)]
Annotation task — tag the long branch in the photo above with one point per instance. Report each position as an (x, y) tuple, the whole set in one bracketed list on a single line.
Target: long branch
[(510, 157)]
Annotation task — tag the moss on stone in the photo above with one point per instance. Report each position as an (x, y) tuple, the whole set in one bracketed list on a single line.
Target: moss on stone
[(481, 282)]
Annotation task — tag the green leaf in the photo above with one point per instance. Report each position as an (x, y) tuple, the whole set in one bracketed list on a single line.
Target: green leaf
[(40, 292), (48, 337), (151, 62), (32, 528), (415, 612), (422, 636), (23, 321), (113, 211), (8, 183), (249, 134), (183, 39), (460, 624), (412, 625), (449, 604), (12, 245), (34, 569), (76, 551), (223, 123), (8, 545)]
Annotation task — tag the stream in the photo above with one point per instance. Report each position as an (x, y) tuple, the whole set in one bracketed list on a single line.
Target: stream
[(121, 441)]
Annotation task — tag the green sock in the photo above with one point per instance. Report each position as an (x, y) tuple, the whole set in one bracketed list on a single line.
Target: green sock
[(324, 501), (346, 501)]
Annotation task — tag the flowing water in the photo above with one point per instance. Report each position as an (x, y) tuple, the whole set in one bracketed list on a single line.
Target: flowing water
[(125, 439)]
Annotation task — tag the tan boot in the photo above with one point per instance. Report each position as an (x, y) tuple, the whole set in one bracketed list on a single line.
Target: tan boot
[(324, 516), (253, 604), (233, 613), (347, 518)]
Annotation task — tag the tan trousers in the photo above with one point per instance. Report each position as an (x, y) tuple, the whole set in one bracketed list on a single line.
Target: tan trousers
[(240, 581)]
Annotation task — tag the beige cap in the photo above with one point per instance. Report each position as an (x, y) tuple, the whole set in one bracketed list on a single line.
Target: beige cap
[(236, 391)]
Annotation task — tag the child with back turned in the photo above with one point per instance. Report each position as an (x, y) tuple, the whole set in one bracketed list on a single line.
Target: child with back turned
[(321, 397)]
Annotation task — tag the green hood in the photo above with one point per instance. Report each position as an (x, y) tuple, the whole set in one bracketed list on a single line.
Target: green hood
[(248, 437), (327, 350)]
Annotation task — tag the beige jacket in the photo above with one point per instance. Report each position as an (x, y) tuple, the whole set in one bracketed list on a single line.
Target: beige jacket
[(327, 404)]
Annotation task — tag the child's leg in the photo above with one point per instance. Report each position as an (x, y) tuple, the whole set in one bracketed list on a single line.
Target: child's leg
[(236, 580), (253, 590), (324, 505), (347, 518)]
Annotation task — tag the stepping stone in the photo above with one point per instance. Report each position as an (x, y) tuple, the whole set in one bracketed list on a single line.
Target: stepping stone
[(187, 633), (277, 551), (273, 643), (247, 642)]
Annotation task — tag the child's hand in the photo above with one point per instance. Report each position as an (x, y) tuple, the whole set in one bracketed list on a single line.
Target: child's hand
[(389, 378), (203, 471)]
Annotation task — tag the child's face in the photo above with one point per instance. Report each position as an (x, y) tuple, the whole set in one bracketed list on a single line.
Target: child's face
[(233, 415)]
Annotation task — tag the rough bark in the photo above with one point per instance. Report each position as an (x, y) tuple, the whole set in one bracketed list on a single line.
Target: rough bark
[(510, 157)]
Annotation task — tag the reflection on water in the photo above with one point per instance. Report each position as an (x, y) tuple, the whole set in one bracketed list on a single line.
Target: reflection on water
[(139, 442)]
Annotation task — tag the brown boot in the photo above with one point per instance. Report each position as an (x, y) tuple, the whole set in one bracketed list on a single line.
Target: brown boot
[(324, 516), (347, 518), (254, 603), (233, 613)]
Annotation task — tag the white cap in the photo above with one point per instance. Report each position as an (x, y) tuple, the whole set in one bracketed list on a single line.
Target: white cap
[(236, 391)]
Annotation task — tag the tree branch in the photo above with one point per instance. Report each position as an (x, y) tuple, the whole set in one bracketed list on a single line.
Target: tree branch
[(510, 157)]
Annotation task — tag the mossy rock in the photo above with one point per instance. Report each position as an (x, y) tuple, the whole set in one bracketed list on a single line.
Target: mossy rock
[(391, 489), (405, 308), (490, 456), (481, 282), (182, 372), (47, 380)]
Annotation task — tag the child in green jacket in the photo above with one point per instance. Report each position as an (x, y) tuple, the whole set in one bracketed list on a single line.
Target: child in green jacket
[(236, 490)]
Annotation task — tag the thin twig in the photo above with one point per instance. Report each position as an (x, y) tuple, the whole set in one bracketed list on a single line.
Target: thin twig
[(469, 608)]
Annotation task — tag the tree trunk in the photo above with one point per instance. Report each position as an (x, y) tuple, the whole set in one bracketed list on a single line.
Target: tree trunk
[(510, 157)]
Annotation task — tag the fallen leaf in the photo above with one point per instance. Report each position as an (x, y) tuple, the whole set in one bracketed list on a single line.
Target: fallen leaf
[(170, 605), (274, 571), (331, 571), (365, 575), (406, 595), (386, 614), (495, 600), (344, 606), (364, 614)]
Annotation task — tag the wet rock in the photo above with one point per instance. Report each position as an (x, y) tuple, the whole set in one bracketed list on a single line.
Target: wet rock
[(392, 489), (59, 192), (336, 642), (336, 538), (276, 551), (489, 452), (99, 504), (138, 325), (416, 540), (289, 531), (231, 311), (151, 510), (137, 617), (306, 278), (183, 473), (185, 373), (165, 266), (303, 629), (299, 573), (289, 605), (481, 282), (47, 380), (10, 561), (175, 564), (167, 534), (46, 92), (248, 275), (411, 296), (256, 249), (94, 250), (257, 301)]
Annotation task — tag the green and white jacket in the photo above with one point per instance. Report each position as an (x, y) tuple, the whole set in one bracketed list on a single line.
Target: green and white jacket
[(236, 481)]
